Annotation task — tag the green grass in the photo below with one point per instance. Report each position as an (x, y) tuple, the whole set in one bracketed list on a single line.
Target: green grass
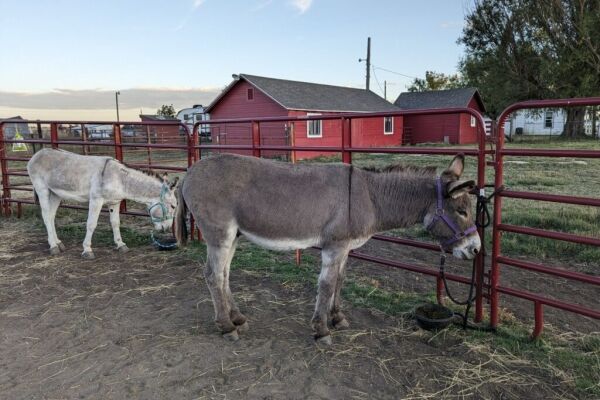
[(571, 358)]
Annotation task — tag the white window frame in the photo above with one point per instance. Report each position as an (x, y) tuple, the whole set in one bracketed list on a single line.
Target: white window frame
[(388, 132), (546, 120), (312, 122), (473, 121)]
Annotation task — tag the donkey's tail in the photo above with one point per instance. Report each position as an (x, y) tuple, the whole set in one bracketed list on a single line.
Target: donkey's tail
[(181, 232)]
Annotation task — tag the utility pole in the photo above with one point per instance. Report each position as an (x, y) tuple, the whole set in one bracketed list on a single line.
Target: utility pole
[(117, 103), (368, 60), (385, 90)]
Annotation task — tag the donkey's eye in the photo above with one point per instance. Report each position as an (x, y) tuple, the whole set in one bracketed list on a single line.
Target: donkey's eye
[(463, 212), (172, 206)]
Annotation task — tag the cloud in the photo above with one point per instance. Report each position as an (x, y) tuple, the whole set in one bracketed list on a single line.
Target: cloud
[(301, 5), (198, 3), (100, 99)]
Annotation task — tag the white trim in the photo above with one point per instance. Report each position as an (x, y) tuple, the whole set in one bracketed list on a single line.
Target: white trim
[(308, 123), (392, 131), (473, 121)]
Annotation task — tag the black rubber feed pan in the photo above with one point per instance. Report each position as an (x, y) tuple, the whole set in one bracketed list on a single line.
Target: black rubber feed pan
[(164, 243), (433, 316)]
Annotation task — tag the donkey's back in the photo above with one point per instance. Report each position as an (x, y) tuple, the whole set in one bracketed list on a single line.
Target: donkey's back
[(68, 175), (277, 205)]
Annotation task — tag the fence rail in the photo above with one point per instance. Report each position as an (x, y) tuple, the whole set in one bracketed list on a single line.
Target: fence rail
[(189, 149)]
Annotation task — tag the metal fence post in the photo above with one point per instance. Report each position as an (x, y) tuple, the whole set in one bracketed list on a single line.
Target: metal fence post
[(256, 139), (346, 140), (4, 203), (54, 135), (119, 156), (192, 142), (496, 234)]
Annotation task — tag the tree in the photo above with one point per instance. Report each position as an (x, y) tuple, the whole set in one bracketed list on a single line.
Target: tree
[(436, 81), (166, 111), (527, 49)]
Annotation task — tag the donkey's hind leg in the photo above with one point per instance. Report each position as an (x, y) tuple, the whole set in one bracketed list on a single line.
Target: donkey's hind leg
[(214, 273), (332, 258), (238, 319), (54, 204), (49, 202), (338, 319), (95, 207)]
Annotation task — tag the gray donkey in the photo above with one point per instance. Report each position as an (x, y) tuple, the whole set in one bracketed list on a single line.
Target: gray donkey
[(59, 174), (337, 207)]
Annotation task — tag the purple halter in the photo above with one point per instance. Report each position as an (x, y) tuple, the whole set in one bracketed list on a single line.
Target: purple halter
[(441, 214)]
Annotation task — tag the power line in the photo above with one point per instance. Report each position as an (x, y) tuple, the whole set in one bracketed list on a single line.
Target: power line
[(394, 72), (377, 80)]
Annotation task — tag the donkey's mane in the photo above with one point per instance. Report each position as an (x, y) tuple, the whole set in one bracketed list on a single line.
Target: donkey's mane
[(148, 172), (403, 169), (151, 173)]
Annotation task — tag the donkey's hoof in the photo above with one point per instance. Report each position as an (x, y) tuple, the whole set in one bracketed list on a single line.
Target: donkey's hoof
[(243, 327), (341, 325), (324, 341), (88, 255), (54, 251), (61, 246), (123, 248), (231, 336)]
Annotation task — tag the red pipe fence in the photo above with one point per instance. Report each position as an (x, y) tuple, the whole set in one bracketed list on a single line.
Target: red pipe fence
[(488, 287)]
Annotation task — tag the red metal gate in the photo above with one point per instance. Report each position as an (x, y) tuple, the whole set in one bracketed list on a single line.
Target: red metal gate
[(487, 282), (539, 301)]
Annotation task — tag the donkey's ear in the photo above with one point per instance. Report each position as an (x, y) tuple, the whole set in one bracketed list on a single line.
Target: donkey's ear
[(456, 168), (165, 178), (174, 183), (459, 188)]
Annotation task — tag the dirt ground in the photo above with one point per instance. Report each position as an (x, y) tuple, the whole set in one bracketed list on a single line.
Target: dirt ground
[(140, 326)]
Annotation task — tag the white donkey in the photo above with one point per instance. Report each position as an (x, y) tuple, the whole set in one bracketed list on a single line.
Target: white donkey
[(59, 174)]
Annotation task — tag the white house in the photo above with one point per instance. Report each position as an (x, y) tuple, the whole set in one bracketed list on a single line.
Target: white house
[(536, 122), (190, 116), (546, 122)]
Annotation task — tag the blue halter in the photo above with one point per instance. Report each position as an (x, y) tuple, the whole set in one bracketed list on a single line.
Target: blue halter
[(161, 203)]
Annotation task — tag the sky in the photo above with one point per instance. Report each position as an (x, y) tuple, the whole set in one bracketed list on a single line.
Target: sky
[(64, 59)]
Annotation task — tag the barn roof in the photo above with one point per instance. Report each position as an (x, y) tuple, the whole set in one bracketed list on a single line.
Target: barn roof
[(449, 98), (306, 96)]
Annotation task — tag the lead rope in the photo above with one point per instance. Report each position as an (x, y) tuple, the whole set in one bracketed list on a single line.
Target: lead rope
[(482, 220)]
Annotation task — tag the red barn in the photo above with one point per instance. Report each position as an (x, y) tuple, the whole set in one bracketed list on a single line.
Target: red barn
[(450, 128), (251, 96), (162, 133)]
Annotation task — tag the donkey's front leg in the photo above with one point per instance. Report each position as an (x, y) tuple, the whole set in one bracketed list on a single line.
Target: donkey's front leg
[(93, 213), (115, 223), (332, 258)]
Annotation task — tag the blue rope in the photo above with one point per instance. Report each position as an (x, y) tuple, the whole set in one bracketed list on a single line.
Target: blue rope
[(161, 204)]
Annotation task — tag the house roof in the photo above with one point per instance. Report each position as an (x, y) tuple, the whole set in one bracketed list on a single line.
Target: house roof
[(10, 128), (306, 96), (449, 98), (154, 117)]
